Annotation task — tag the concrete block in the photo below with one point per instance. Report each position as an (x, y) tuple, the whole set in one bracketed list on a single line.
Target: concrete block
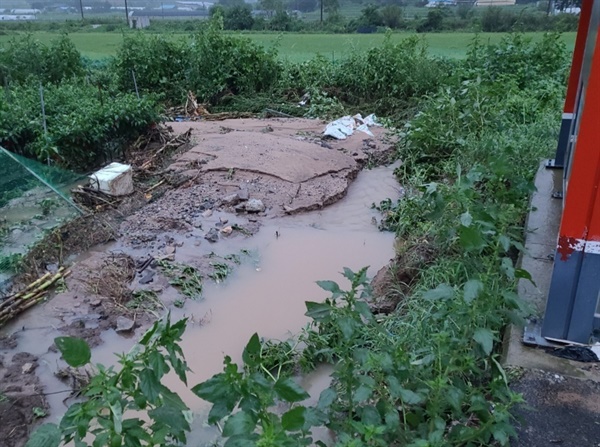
[(116, 179)]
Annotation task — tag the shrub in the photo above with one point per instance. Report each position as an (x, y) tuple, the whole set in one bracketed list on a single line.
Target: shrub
[(27, 57)]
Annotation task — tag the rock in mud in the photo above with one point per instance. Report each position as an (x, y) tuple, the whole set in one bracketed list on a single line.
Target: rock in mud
[(244, 194), (227, 230), (148, 277), (124, 324), (231, 200), (212, 235), (206, 214), (254, 206)]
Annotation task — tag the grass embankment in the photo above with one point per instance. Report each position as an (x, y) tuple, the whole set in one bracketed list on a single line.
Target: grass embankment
[(301, 47)]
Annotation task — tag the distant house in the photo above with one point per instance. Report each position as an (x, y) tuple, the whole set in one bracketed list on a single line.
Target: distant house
[(141, 19), (9, 17), (436, 3), (495, 2)]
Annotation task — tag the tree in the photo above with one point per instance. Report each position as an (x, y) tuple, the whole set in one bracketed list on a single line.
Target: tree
[(370, 16), (392, 16), (238, 17)]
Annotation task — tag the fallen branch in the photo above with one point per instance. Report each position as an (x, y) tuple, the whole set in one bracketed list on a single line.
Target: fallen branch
[(32, 294)]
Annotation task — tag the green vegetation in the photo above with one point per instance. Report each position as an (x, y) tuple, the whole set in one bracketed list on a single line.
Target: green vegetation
[(299, 47), (184, 278), (105, 413)]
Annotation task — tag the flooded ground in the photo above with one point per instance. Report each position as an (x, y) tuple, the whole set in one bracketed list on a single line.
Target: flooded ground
[(280, 260)]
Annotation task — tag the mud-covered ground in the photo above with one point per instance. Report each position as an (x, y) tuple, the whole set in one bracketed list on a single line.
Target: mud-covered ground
[(232, 177)]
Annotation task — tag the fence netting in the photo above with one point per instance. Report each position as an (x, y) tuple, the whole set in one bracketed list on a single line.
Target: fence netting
[(34, 199)]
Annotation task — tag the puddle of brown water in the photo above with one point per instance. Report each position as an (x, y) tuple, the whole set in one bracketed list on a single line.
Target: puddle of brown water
[(266, 294)]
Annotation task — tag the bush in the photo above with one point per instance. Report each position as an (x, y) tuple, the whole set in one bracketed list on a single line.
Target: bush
[(85, 126), (27, 57)]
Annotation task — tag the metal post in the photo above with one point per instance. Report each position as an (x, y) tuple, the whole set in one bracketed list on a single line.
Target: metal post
[(126, 13), (135, 84), (43, 111), (573, 87), (575, 285), (81, 8), (322, 10)]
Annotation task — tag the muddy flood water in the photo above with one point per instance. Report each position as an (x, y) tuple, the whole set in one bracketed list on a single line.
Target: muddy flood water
[(265, 294)]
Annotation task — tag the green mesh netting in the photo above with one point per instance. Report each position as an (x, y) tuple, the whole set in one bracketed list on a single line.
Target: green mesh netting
[(34, 198)]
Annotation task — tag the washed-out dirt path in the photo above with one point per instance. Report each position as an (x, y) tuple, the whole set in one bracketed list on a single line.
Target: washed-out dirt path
[(261, 202)]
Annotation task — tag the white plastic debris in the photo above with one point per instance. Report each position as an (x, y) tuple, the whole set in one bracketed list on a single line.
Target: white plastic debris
[(340, 128), (345, 126), (364, 128), (371, 120), (116, 179)]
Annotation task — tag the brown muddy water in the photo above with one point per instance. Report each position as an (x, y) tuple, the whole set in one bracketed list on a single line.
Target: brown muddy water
[(265, 294)]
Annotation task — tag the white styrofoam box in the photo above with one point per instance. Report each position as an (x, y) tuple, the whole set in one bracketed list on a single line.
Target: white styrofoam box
[(115, 179)]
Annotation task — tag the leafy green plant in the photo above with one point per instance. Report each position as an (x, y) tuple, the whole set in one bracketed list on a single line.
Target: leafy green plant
[(107, 414), (185, 278), (254, 394)]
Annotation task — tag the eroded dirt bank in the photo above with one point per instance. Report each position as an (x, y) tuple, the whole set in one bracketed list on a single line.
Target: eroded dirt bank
[(248, 208)]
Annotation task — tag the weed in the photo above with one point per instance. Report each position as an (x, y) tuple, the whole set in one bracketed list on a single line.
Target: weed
[(220, 272), (233, 258), (146, 300), (184, 278), (39, 412), (47, 205)]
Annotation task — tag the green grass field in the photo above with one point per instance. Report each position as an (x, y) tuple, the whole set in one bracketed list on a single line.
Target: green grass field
[(300, 47)]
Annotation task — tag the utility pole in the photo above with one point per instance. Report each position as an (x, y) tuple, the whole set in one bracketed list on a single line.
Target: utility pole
[(81, 8), (126, 13), (322, 11)]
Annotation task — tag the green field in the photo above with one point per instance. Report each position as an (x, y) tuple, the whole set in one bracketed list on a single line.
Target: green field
[(300, 47)]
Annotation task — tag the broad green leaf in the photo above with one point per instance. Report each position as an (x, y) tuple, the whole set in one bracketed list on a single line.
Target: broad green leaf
[(347, 325), (75, 351), (362, 393), (521, 273), (370, 416), (242, 441), (326, 398), (294, 419), (470, 238), (251, 354), (117, 416), (150, 385), (410, 397), (172, 399), (504, 242), (172, 418), (347, 273), (507, 267), (318, 311), (473, 288), (364, 309), (48, 435), (466, 219), (441, 292), (485, 338), (241, 423), (289, 391), (330, 286)]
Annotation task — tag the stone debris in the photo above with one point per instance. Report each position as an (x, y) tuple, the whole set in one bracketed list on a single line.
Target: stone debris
[(231, 200), (254, 206), (212, 235), (124, 324)]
